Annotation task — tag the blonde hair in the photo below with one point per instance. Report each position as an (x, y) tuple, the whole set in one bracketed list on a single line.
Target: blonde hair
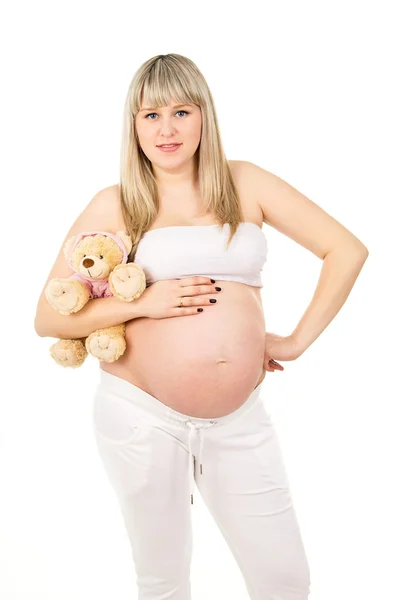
[(159, 79)]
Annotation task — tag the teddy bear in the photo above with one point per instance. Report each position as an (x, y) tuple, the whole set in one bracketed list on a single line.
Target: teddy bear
[(99, 262)]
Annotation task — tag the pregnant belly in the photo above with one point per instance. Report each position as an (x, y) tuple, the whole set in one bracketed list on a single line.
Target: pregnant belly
[(203, 365)]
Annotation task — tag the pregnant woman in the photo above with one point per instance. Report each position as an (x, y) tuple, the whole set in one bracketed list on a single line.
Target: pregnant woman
[(183, 404)]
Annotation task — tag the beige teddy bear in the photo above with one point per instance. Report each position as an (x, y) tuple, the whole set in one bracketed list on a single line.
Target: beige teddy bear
[(99, 260)]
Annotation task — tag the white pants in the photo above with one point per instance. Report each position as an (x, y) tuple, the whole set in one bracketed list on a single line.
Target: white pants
[(148, 450)]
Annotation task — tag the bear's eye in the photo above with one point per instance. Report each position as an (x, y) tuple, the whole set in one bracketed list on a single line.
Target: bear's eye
[(101, 256), (84, 256)]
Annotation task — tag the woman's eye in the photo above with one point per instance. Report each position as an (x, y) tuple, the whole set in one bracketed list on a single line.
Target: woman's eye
[(178, 111)]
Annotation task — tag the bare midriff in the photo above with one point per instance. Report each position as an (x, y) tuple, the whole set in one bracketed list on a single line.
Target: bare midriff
[(204, 365)]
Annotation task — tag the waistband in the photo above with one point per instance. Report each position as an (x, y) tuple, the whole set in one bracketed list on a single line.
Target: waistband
[(154, 410), (150, 404)]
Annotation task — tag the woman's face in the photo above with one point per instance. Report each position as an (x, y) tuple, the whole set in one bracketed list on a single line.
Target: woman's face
[(168, 125)]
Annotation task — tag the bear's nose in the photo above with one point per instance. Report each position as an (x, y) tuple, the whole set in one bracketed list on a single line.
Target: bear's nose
[(87, 263)]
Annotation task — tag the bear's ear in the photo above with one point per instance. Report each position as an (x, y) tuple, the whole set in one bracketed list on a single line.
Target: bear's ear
[(126, 239), (69, 245)]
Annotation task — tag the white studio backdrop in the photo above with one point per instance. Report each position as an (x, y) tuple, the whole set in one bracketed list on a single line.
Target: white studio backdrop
[(304, 90)]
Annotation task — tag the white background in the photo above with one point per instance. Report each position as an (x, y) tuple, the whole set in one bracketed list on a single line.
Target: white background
[(302, 89)]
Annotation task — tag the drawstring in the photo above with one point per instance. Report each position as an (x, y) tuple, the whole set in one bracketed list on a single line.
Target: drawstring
[(192, 427)]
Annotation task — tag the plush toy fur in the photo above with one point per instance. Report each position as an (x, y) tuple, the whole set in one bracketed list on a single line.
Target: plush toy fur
[(99, 259)]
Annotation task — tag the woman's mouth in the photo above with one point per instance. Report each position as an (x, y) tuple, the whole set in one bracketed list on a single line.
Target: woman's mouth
[(169, 147)]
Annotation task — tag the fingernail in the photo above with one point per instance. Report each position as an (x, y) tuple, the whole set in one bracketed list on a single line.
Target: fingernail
[(213, 280)]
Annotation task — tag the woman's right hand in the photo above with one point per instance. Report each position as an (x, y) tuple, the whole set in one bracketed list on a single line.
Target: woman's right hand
[(162, 299)]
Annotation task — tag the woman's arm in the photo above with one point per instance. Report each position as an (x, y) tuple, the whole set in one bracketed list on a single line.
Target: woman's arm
[(97, 314), (339, 272), (302, 220)]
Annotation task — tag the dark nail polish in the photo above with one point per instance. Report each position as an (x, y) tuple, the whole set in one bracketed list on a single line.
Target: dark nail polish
[(213, 280), (213, 300), (200, 309), (218, 289)]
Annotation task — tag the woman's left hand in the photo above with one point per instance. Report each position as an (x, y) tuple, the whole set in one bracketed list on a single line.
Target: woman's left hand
[(278, 347)]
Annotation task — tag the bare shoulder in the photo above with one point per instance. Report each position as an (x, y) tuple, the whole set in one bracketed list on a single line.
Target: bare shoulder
[(236, 166), (242, 172), (107, 202)]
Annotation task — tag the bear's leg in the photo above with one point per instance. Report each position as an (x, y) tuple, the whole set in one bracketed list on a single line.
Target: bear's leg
[(107, 344), (69, 353)]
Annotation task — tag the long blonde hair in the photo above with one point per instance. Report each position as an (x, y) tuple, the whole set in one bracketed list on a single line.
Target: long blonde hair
[(160, 78)]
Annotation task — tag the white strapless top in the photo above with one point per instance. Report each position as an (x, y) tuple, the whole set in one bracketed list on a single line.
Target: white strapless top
[(181, 251)]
